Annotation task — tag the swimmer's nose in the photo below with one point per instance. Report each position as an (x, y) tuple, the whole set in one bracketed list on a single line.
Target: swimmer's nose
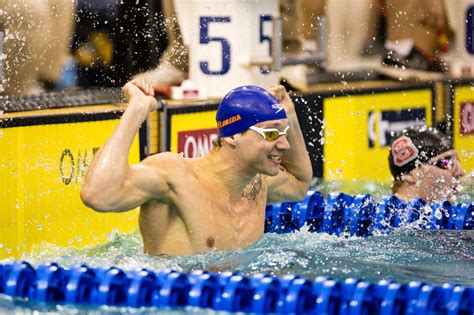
[(458, 171), (283, 144)]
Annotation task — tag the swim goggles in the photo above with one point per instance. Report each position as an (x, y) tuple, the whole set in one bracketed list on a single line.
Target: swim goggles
[(270, 134), (445, 163)]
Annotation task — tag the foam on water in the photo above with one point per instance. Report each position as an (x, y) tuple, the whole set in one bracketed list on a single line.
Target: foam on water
[(431, 256), (436, 256)]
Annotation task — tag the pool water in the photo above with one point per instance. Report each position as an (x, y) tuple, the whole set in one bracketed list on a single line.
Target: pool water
[(432, 256), (381, 189), (436, 256)]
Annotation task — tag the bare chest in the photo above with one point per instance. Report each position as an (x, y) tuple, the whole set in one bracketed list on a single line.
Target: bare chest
[(215, 220)]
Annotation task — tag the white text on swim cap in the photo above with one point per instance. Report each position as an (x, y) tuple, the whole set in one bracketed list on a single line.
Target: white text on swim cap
[(278, 107)]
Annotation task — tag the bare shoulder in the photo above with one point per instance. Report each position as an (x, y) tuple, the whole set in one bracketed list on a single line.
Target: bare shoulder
[(164, 159), (166, 163)]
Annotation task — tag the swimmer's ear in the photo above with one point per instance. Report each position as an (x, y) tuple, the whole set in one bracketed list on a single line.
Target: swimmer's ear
[(410, 177), (231, 140)]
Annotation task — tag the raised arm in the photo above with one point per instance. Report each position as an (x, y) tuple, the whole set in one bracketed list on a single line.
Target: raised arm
[(294, 178), (111, 184)]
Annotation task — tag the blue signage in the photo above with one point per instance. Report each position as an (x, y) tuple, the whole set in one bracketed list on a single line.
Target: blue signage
[(390, 122)]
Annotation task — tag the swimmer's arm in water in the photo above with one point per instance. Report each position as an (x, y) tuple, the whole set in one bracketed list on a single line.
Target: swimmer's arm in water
[(111, 184), (294, 179)]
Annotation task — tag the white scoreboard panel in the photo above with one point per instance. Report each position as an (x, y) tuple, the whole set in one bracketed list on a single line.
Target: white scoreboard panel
[(231, 42)]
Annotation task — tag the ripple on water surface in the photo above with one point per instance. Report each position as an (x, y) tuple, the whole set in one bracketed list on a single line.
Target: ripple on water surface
[(431, 256)]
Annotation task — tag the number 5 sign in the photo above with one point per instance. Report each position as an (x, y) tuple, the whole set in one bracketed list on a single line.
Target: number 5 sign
[(229, 42)]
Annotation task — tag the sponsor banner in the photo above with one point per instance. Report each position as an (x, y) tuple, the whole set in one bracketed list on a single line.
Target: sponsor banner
[(43, 167), (463, 123), (359, 128), (196, 143), (390, 122), (192, 130)]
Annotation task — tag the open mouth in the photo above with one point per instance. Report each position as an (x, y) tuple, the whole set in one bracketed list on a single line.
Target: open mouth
[(275, 158)]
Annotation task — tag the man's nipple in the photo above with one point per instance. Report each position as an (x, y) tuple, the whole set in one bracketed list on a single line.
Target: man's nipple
[(210, 242)]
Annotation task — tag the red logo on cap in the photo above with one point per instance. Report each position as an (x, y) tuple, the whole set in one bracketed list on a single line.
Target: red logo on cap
[(403, 151)]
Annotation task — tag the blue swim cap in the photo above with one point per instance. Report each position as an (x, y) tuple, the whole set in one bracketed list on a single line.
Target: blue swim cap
[(244, 107)]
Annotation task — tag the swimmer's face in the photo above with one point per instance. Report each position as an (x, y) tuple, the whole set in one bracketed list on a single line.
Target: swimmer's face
[(439, 178), (265, 152)]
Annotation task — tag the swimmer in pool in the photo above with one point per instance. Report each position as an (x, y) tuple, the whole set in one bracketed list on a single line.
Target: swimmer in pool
[(216, 202), (424, 164)]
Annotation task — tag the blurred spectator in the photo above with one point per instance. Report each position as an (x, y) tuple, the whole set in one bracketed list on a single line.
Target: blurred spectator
[(416, 33), (37, 40), (460, 58), (350, 25), (112, 41), (116, 39), (345, 30), (93, 44), (173, 66), (139, 37)]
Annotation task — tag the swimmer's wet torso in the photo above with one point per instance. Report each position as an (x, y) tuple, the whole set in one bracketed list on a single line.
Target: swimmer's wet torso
[(216, 202), (200, 215)]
